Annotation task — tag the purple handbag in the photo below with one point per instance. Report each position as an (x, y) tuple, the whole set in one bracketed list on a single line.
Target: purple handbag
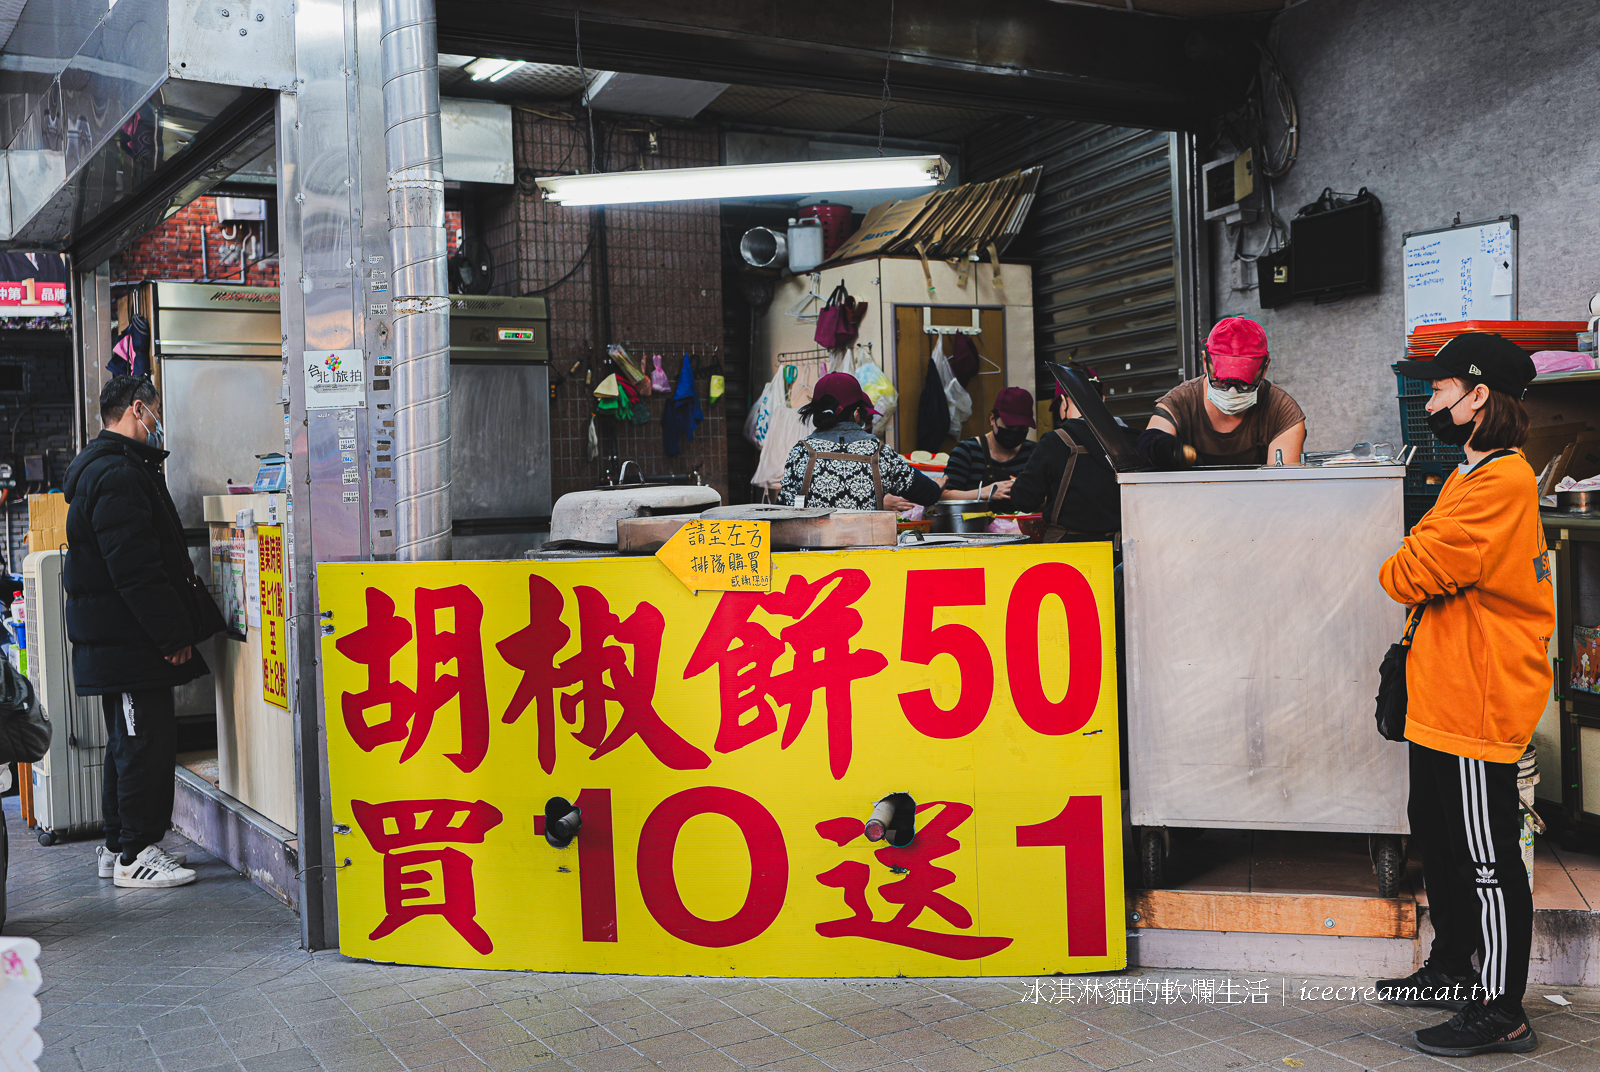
[(839, 322)]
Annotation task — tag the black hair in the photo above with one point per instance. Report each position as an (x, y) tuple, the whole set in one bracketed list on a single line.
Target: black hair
[(120, 392), (824, 413), (1504, 424)]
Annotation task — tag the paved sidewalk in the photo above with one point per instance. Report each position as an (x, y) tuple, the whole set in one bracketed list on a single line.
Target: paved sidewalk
[(209, 977)]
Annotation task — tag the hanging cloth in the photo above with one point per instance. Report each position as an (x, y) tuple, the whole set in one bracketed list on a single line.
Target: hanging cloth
[(963, 358), (683, 412), (785, 428), (933, 411)]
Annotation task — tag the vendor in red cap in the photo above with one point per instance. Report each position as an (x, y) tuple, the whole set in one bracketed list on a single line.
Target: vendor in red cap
[(984, 467), (1231, 415), (843, 466)]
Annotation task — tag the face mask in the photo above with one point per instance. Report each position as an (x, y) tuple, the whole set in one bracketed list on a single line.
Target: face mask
[(1231, 400), (1443, 425), (156, 437), (1010, 438)]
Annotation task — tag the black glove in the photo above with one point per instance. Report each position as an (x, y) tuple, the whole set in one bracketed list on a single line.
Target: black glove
[(1163, 450)]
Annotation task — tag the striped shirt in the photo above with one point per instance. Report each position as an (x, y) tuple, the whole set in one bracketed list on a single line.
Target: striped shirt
[(971, 466)]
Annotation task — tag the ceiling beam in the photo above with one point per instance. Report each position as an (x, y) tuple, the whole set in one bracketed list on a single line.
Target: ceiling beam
[(1026, 56)]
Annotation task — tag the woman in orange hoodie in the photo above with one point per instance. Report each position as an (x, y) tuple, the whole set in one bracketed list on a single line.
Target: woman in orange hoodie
[(1476, 574)]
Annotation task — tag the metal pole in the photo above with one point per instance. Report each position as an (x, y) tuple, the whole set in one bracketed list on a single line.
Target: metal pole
[(414, 155)]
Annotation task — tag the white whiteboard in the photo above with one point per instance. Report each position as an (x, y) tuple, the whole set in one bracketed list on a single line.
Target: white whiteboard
[(1467, 272)]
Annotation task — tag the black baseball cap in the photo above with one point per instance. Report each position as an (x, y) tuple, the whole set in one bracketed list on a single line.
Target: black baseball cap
[(1477, 357)]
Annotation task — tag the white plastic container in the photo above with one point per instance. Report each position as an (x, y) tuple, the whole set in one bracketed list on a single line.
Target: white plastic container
[(805, 245)]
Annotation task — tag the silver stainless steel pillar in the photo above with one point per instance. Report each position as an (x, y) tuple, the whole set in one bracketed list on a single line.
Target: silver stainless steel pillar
[(413, 150), (339, 420)]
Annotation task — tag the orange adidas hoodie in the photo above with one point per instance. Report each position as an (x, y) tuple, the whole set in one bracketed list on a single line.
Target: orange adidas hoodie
[(1478, 676)]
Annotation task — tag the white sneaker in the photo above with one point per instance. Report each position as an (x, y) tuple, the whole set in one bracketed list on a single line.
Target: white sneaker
[(151, 869), (106, 860)]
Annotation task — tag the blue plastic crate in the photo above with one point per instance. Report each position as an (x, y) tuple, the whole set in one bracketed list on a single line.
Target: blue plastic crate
[(1406, 387), (1417, 504), (1426, 477), (1414, 432)]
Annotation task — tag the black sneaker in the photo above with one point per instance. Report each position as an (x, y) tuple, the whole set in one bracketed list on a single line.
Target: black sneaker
[(1429, 987), (1479, 1028)]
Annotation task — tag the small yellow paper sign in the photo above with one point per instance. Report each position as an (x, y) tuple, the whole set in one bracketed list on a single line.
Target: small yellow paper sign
[(721, 556)]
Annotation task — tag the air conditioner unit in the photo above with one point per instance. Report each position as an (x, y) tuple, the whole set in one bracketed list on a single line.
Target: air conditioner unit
[(66, 782), (233, 209)]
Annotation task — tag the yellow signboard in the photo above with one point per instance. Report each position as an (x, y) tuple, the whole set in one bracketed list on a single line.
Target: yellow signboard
[(721, 556), (274, 638), (725, 753)]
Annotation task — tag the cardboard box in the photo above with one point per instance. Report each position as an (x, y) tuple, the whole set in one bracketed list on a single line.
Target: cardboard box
[(975, 220), (47, 521)]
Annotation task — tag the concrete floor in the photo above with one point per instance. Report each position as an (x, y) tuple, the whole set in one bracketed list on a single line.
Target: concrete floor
[(209, 977)]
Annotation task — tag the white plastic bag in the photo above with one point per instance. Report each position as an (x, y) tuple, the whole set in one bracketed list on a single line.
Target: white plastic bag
[(760, 415), (955, 394), (786, 429), (885, 399)]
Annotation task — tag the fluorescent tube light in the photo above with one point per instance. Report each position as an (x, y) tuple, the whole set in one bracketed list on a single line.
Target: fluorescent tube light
[(745, 180), (491, 69)]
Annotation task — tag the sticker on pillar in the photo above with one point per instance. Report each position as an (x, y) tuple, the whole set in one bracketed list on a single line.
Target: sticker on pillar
[(274, 612), (352, 496), (335, 379), (351, 475)]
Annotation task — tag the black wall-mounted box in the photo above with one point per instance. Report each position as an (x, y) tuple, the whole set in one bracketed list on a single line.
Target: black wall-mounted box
[(1335, 252)]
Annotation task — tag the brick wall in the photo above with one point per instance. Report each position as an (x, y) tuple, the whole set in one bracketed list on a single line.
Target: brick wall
[(665, 288), (172, 250)]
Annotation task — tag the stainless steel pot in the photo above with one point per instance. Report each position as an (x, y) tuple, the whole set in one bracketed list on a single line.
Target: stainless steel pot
[(959, 515), (1578, 502)]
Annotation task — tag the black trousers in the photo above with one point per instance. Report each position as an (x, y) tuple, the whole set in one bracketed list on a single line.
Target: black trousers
[(1465, 817), (141, 751)]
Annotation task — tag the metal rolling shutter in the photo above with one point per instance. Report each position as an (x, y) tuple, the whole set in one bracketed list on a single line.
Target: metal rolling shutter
[(1101, 240)]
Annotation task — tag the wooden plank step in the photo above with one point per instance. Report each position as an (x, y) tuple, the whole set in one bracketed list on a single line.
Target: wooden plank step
[(1274, 913)]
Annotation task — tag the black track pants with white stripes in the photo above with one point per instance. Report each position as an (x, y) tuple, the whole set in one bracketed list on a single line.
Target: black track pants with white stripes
[(1465, 818), (141, 750)]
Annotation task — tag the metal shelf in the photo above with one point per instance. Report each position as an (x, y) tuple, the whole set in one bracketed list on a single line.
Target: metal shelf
[(1555, 378)]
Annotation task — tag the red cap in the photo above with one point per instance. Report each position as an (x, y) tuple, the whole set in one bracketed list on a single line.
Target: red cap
[(1237, 348), (1014, 406), (844, 391)]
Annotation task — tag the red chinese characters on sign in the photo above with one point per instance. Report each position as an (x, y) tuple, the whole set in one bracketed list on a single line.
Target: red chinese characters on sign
[(411, 712), (414, 824), (600, 669), (917, 892), (746, 653)]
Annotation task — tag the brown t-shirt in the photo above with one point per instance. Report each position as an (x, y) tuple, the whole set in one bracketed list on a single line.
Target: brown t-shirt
[(1273, 414)]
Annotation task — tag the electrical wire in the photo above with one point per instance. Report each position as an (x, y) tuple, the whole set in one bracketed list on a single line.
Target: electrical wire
[(582, 257), (1279, 157), (888, 53), (577, 44)]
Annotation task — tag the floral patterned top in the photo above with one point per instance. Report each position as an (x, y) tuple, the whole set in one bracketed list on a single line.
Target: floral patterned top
[(844, 485)]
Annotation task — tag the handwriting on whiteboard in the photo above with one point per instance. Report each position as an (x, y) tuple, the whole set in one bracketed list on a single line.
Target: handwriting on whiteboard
[(1462, 274)]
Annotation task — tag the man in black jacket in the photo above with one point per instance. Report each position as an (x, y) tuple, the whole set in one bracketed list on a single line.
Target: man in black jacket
[(1094, 499), (133, 619)]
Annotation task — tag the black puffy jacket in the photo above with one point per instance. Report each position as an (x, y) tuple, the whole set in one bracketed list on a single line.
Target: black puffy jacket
[(127, 572)]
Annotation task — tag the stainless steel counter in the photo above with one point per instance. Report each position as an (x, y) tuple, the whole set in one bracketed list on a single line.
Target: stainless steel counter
[(1255, 625)]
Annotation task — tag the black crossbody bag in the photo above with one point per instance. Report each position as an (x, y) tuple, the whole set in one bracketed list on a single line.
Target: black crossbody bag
[(1392, 700)]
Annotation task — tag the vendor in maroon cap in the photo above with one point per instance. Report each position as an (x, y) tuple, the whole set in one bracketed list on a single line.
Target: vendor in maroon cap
[(841, 465), (984, 467), (1229, 416)]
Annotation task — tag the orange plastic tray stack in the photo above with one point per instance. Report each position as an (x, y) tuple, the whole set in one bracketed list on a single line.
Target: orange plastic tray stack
[(1531, 335)]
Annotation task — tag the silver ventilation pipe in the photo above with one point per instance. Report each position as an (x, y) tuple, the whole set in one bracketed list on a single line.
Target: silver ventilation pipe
[(414, 156)]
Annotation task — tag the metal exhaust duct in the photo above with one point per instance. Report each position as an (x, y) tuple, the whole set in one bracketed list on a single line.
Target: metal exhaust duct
[(414, 155)]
